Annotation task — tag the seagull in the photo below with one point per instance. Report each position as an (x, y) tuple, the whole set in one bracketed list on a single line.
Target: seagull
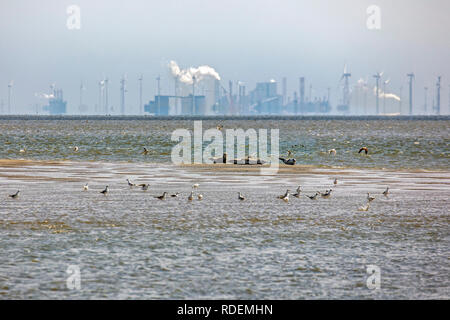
[(290, 161), (191, 196), (145, 151), (144, 186), (240, 196), (364, 149), (86, 187), (364, 208), (174, 195), (298, 191), (386, 192), (335, 181), (75, 148), (195, 186), (200, 197), (284, 195), (332, 151), (22, 150), (105, 191), (130, 184), (314, 197), (327, 194), (15, 195), (369, 197), (163, 197)]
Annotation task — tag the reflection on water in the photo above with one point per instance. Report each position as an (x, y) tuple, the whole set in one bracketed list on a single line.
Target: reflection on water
[(396, 144), (130, 245)]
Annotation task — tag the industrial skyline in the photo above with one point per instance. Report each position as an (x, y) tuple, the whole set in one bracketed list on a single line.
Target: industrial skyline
[(266, 40), (211, 97)]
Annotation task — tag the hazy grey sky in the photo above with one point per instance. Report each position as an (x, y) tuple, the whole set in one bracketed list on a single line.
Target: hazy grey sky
[(246, 40)]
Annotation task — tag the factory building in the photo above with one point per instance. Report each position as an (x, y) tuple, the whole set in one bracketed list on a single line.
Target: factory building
[(56, 104)]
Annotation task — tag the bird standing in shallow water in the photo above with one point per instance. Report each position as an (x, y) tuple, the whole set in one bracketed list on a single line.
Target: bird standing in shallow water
[(191, 196), (162, 197), (240, 196), (298, 191), (195, 186), (364, 208), (369, 197), (335, 181), (314, 197), (15, 195), (327, 194), (105, 191), (332, 152), (145, 151), (200, 197), (144, 186), (86, 187), (130, 184), (386, 192)]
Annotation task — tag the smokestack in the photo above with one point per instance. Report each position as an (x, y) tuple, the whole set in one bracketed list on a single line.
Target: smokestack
[(410, 76), (284, 89), (141, 109), (10, 85), (302, 93), (122, 95)]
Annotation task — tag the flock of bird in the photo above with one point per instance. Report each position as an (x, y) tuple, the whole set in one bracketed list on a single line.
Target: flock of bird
[(199, 196)]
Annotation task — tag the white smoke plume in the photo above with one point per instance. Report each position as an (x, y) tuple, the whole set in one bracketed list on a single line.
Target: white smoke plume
[(186, 75), (44, 95), (382, 94)]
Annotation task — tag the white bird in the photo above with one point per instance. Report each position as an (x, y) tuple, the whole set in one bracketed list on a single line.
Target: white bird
[(284, 195), (130, 184), (286, 198), (105, 191), (86, 187), (22, 150), (195, 186), (369, 197), (332, 152), (364, 208), (240, 196), (327, 194), (75, 148), (386, 192), (200, 197)]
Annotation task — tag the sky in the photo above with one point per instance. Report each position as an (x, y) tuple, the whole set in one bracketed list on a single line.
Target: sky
[(243, 40)]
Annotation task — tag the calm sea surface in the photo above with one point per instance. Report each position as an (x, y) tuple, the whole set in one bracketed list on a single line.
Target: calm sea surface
[(130, 245)]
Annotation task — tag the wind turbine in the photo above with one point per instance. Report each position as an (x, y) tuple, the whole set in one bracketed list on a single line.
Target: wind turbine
[(10, 85), (345, 76)]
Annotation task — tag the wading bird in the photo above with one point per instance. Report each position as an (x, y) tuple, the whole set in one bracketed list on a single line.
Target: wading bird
[(386, 192), (162, 197), (332, 152), (369, 197), (298, 191), (191, 196), (175, 195), (15, 195), (240, 196), (314, 197), (364, 208), (327, 194), (105, 191), (144, 186), (86, 187)]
